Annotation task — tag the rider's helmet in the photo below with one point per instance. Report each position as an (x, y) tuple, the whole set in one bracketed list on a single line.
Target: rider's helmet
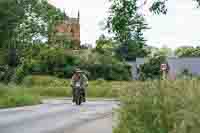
[(78, 70)]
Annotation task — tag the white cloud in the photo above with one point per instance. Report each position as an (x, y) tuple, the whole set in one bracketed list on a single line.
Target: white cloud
[(178, 27)]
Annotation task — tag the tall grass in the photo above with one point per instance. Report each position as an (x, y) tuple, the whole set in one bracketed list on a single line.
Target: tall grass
[(14, 96), (34, 88), (55, 87), (160, 107)]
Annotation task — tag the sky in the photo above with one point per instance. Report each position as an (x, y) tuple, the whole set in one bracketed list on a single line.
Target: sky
[(178, 28)]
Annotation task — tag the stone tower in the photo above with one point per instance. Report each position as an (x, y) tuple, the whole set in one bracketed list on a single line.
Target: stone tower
[(71, 29)]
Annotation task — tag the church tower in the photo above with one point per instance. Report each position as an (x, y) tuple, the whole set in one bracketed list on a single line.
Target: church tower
[(71, 29), (78, 17)]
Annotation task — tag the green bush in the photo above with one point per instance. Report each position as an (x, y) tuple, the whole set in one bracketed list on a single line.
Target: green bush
[(151, 69), (3, 56), (52, 61), (106, 67), (6, 73), (61, 63), (160, 107)]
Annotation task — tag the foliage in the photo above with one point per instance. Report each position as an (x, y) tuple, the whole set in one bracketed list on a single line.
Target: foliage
[(56, 87), (186, 74), (164, 51), (106, 67), (26, 22), (151, 69), (11, 16), (105, 45), (33, 88), (132, 50), (61, 63), (159, 6), (3, 56), (160, 107), (13, 96), (188, 52), (124, 20), (44, 60), (128, 26)]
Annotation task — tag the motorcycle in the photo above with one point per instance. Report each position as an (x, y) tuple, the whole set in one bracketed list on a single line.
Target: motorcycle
[(78, 94)]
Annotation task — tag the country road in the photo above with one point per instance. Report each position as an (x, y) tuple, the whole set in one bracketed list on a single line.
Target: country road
[(58, 116)]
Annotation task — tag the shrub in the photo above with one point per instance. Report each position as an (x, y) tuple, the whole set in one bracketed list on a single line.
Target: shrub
[(3, 56), (61, 63), (160, 107), (106, 67), (6, 73), (151, 69)]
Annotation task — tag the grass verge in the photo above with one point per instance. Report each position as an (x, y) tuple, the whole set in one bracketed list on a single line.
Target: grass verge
[(34, 88), (53, 87), (160, 107), (14, 96)]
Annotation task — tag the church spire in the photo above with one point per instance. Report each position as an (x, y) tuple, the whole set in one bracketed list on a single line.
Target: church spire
[(78, 15)]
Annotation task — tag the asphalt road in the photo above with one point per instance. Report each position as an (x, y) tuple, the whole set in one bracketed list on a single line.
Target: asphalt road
[(103, 125), (58, 116)]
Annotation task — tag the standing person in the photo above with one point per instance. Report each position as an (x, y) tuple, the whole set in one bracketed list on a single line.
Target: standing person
[(79, 77)]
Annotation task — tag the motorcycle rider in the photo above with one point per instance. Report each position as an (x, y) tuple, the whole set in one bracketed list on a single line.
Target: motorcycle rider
[(79, 77)]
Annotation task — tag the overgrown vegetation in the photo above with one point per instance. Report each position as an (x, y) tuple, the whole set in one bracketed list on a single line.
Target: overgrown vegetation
[(127, 25), (160, 107), (151, 69), (188, 52), (61, 63), (14, 96), (34, 88), (54, 87)]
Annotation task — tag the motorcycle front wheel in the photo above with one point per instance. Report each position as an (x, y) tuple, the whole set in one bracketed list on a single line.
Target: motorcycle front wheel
[(78, 99)]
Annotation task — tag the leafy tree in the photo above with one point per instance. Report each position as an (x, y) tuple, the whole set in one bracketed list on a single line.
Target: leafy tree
[(105, 45), (11, 16), (151, 69), (39, 21), (127, 25), (165, 51), (159, 6), (27, 21), (188, 52)]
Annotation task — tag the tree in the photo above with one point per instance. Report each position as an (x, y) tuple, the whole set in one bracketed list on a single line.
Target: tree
[(165, 51), (105, 45), (39, 21), (127, 25), (187, 52), (27, 21), (11, 17), (151, 69), (159, 6)]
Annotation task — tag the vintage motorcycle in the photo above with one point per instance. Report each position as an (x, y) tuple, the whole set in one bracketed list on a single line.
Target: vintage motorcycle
[(79, 91)]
